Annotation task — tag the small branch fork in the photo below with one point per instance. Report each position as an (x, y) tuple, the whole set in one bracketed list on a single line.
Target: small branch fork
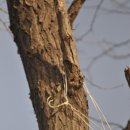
[(74, 9)]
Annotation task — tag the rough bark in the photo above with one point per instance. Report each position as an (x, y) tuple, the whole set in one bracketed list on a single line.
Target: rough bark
[(47, 48)]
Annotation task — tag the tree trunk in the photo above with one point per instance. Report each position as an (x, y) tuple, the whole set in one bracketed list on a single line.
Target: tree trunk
[(47, 48)]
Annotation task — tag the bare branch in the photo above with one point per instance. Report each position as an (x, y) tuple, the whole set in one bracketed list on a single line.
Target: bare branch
[(123, 4), (3, 11), (74, 9), (121, 56), (128, 126), (111, 11), (104, 88), (127, 75), (111, 123), (5, 26), (93, 20), (106, 52)]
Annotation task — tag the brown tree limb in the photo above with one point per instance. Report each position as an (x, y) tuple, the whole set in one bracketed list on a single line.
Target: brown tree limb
[(74, 9), (128, 126), (127, 75)]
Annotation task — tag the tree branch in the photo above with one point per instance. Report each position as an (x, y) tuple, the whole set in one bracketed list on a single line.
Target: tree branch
[(93, 20), (110, 123), (128, 126), (97, 57), (127, 75), (74, 9), (101, 87)]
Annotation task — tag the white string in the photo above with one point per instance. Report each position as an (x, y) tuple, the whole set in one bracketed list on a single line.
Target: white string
[(98, 109), (77, 112), (94, 106)]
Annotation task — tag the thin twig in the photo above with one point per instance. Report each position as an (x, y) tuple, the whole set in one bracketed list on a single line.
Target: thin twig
[(107, 10), (93, 20), (118, 57), (110, 123), (3, 10), (5, 26), (97, 57), (104, 88)]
